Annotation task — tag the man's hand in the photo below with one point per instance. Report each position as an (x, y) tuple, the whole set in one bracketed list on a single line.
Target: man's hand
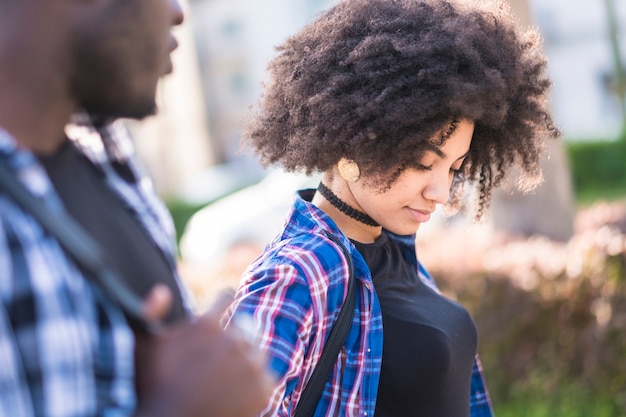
[(197, 368)]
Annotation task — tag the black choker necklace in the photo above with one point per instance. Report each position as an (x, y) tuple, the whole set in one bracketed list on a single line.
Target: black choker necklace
[(344, 207)]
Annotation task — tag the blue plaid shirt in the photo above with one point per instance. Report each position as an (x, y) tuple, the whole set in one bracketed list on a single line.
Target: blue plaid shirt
[(294, 293), (65, 348)]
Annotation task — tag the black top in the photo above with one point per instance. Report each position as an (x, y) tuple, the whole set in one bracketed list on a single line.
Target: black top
[(128, 249), (429, 341)]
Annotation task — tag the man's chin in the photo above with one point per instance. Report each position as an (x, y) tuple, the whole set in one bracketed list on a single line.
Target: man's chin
[(101, 115)]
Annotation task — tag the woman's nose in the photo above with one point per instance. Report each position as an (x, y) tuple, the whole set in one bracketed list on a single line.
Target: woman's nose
[(438, 188)]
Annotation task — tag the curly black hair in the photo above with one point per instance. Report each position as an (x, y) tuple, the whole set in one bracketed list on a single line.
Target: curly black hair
[(376, 80)]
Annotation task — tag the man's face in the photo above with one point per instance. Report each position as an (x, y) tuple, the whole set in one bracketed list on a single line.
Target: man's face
[(120, 54)]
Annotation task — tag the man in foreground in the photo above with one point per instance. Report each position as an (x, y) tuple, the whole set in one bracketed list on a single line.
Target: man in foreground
[(67, 346)]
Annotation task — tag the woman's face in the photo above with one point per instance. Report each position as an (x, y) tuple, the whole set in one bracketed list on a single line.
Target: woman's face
[(412, 198)]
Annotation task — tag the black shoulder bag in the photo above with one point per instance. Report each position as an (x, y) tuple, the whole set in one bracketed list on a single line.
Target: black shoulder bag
[(78, 244), (314, 387)]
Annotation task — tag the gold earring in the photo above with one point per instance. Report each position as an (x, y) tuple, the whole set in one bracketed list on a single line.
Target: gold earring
[(349, 170)]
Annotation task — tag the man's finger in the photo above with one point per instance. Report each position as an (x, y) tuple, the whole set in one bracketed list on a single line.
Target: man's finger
[(157, 304)]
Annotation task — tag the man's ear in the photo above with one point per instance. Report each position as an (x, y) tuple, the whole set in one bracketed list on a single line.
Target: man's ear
[(28, 22)]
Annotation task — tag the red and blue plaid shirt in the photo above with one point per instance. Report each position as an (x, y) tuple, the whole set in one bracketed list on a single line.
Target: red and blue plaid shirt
[(294, 293)]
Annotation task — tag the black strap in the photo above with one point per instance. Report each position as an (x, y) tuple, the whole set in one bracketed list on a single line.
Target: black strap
[(315, 386), (80, 245)]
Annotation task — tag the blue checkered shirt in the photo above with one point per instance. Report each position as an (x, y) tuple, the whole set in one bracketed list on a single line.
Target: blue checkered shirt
[(65, 348), (294, 293)]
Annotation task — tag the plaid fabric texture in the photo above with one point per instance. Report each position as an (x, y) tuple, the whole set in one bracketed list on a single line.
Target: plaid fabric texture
[(65, 348), (294, 293)]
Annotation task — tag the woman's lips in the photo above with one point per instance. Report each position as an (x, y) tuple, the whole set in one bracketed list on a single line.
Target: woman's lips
[(421, 216)]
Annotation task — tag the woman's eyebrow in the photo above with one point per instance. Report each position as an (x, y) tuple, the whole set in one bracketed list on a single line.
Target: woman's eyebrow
[(436, 150)]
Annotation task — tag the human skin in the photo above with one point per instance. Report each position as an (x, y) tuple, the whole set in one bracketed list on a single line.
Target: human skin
[(198, 369), (411, 198), (123, 51), (106, 56)]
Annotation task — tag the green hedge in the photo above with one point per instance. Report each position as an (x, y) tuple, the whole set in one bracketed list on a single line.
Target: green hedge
[(598, 169), (181, 213)]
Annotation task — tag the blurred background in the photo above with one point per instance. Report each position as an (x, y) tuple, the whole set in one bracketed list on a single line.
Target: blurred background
[(544, 275)]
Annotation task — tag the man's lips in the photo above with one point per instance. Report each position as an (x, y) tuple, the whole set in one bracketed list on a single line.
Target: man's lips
[(169, 67), (173, 44)]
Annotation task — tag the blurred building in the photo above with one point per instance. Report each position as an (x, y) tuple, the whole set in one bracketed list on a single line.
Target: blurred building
[(576, 41), (194, 144), (235, 39)]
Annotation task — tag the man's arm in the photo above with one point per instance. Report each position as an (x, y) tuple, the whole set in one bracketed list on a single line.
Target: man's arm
[(198, 369)]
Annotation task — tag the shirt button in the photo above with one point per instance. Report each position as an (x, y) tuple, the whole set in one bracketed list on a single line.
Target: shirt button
[(369, 350), (365, 413)]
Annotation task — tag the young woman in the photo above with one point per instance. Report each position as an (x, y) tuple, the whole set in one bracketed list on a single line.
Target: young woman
[(398, 103)]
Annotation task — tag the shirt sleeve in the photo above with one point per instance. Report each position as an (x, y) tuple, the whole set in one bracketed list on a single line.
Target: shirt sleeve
[(480, 403), (279, 299)]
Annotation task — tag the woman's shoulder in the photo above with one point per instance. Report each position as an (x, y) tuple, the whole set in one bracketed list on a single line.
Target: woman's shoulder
[(315, 249)]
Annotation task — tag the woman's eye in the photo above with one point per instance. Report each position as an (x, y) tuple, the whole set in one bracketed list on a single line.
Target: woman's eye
[(424, 167)]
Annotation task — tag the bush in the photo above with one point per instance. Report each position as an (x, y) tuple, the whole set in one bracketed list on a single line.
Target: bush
[(551, 316), (597, 167), (181, 212)]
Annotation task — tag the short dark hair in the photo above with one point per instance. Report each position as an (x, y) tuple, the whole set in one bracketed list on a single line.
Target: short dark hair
[(375, 80)]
